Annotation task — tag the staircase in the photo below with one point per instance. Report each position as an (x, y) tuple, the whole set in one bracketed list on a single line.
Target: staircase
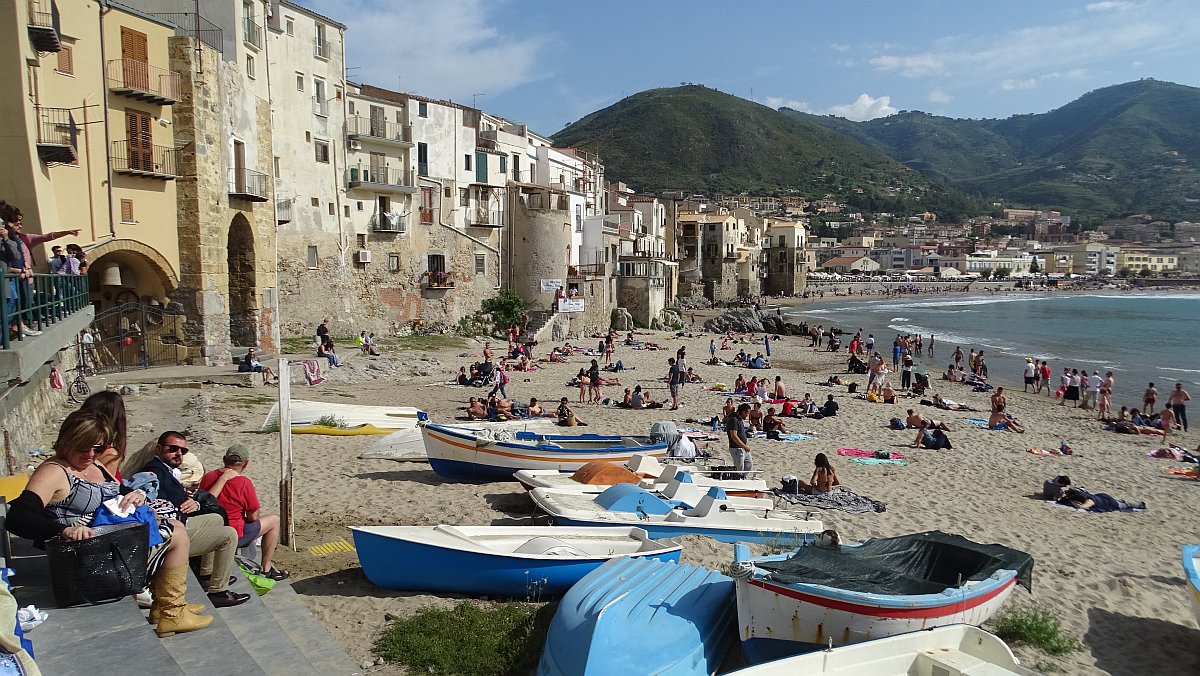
[(272, 635), (538, 320)]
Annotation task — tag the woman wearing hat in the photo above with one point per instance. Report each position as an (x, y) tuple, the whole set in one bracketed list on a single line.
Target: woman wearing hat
[(1031, 374)]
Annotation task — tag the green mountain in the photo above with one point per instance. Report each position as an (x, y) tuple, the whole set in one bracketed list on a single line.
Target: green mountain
[(696, 138), (1128, 148)]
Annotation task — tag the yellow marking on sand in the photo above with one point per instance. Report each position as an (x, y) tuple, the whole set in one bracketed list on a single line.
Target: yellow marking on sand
[(331, 548)]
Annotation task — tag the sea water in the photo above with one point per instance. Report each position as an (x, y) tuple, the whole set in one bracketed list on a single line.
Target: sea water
[(1141, 338)]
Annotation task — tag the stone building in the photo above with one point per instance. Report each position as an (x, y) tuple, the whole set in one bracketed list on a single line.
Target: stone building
[(719, 253), (783, 255)]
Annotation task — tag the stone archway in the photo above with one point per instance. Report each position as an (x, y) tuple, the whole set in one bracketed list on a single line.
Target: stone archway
[(243, 310)]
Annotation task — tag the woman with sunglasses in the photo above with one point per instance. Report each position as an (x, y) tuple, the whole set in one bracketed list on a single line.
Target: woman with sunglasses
[(61, 500), (111, 405)]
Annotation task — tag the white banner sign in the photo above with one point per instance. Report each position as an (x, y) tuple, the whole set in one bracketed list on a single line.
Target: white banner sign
[(549, 285), (570, 305)]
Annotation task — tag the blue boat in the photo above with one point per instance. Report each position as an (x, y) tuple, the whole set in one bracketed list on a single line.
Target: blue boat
[(522, 562), (1191, 569), (714, 515), (641, 616), (459, 454)]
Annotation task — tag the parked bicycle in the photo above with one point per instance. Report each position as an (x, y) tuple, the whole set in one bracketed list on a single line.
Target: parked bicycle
[(79, 389)]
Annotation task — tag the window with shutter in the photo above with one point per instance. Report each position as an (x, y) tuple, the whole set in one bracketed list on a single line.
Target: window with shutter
[(134, 59), (140, 142), (126, 211), (66, 61)]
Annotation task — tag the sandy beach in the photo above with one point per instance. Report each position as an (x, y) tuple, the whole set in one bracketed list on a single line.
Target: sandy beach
[(1114, 579)]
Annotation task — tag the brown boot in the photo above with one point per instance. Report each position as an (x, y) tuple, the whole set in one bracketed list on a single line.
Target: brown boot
[(193, 608), (169, 587)]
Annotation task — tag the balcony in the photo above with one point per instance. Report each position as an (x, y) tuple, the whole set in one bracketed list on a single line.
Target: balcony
[(253, 186), (439, 280), (485, 218), (380, 131), (321, 49), (381, 179), (392, 222), (587, 270), (150, 161), (57, 136), (320, 106), (283, 211), (44, 26), (61, 308), (139, 80), (626, 234), (252, 33)]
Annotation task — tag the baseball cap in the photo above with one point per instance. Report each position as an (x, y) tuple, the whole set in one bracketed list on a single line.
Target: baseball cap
[(237, 453)]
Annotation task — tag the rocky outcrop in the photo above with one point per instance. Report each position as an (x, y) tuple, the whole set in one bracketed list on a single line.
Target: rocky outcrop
[(742, 320), (621, 320)]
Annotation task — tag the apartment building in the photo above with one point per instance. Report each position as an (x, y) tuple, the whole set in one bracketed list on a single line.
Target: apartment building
[(1150, 261), (783, 258)]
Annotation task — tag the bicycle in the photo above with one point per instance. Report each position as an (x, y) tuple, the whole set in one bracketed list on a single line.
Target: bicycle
[(79, 389)]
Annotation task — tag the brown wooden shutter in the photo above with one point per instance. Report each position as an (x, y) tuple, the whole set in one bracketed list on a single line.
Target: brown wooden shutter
[(66, 60), (141, 140), (135, 57), (126, 211)]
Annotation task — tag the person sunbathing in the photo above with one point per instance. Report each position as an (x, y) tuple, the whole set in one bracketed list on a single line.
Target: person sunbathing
[(640, 400), (556, 357), (834, 380), (567, 417), (693, 377), (476, 410), (728, 409), (535, 409), (463, 378), (724, 343), (949, 405), (1096, 502), (772, 425), (1002, 421), (931, 438), (888, 394), (914, 420), (739, 385)]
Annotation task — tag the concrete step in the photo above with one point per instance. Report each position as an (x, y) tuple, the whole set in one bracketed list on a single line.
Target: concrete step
[(307, 632), (219, 649)]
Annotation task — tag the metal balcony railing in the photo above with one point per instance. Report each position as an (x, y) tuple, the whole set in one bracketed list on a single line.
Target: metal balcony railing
[(320, 106), (321, 49), (359, 126), (140, 80), (44, 25), (376, 176), (388, 222), (141, 159), (191, 24), (57, 135), (52, 298), (485, 218), (249, 185), (587, 270), (283, 211), (252, 33), (439, 280)]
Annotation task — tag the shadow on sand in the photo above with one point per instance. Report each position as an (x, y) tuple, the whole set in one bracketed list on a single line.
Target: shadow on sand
[(1127, 644), (421, 476)]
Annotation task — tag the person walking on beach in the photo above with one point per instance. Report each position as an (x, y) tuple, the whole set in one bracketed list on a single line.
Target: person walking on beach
[(930, 348), (958, 355), (1030, 375), (1093, 390), (1149, 398), (676, 375), (1179, 397), (1046, 373)]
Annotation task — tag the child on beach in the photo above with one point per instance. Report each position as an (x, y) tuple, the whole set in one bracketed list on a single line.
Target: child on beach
[(1103, 409)]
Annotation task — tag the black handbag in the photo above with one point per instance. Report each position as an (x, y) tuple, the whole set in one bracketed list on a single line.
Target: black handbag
[(107, 567), (209, 505)]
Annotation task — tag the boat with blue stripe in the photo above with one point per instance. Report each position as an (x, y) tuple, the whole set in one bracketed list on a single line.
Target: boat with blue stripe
[(1191, 569), (464, 455)]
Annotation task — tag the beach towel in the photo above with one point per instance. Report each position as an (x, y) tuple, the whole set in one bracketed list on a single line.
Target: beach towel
[(1045, 451), (1188, 472), (860, 453), (879, 461), (841, 499), (978, 422), (312, 371), (1166, 453)]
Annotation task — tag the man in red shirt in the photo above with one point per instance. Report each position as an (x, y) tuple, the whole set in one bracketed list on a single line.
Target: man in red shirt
[(236, 494)]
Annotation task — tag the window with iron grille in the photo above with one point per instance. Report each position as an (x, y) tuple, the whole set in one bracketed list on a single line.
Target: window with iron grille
[(480, 264)]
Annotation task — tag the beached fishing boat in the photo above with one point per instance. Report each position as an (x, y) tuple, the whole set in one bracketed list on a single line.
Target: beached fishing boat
[(715, 515), (639, 616), (1191, 568), (594, 477), (513, 561), (956, 650), (464, 455), (817, 596)]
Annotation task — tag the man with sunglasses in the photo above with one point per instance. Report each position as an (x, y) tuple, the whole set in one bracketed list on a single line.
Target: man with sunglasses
[(211, 540)]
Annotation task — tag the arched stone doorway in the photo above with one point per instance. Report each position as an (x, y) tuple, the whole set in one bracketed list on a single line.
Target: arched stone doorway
[(243, 310)]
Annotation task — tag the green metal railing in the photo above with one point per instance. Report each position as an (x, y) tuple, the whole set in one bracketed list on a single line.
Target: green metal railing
[(49, 299)]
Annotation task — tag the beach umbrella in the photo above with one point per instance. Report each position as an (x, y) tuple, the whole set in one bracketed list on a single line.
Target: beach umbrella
[(767, 344)]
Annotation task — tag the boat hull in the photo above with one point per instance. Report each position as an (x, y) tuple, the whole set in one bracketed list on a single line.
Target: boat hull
[(659, 531), (641, 617), (411, 565), (456, 456), (777, 621), (1191, 568)]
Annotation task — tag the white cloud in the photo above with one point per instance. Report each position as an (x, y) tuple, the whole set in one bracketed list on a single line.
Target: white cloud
[(938, 95), (454, 50), (839, 47), (864, 108), (915, 65), (1013, 85), (1110, 6), (780, 102), (1072, 74)]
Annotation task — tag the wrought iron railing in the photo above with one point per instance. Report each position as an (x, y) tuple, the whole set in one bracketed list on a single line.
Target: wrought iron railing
[(141, 78), (39, 302), (148, 160), (56, 127), (379, 176), (283, 210), (320, 106), (485, 218), (394, 222), (249, 183), (194, 25), (252, 32), (439, 279)]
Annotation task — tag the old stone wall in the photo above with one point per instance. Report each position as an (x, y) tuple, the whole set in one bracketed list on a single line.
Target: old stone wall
[(537, 249), (641, 298), (29, 409)]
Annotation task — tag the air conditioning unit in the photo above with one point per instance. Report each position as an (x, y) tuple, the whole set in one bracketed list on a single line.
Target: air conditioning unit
[(355, 145), (364, 256)]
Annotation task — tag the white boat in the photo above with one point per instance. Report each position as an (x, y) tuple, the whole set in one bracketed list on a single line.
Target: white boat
[(512, 561), (956, 650), (841, 594), (463, 455), (1191, 568), (714, 515), (542, 478)]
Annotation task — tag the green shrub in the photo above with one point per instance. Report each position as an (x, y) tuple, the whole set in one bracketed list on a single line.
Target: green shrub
[(493, 639), (1038, 628), (506, 309), (330, 421)]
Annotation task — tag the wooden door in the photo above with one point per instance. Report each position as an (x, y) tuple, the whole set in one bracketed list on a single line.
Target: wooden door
[(135, 59), (378, 168), (141, 141), (239, 167), (427, 204), (378, 122)]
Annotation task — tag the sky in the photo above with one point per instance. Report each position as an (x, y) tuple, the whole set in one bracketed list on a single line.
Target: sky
[(548, 63)]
